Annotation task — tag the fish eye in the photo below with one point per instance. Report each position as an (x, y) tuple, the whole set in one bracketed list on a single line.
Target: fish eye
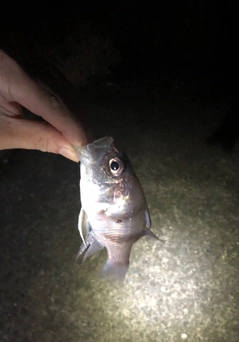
[(116, 166)]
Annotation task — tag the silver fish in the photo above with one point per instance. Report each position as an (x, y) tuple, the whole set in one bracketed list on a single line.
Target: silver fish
[(114, 212)]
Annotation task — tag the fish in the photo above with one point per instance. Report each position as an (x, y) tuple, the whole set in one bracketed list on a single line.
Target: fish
[(114, 213)]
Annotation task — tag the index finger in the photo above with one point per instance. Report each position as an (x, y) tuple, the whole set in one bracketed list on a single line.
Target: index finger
[(42, 101)]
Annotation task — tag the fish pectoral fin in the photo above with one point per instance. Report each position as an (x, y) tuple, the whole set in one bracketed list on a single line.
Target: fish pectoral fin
[(84, 226), (148, 232), (147, 218)]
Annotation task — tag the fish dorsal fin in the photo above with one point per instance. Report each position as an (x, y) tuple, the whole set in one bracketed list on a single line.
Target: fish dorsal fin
[(147, 218), (84, 226)]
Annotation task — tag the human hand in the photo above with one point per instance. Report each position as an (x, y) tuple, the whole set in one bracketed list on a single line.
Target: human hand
[(59, 133)]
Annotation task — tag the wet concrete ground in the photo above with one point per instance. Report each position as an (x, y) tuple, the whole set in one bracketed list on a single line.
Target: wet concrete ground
[(185, 289)]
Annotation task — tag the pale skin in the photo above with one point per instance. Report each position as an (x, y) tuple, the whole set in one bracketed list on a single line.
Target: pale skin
[(60, 133)]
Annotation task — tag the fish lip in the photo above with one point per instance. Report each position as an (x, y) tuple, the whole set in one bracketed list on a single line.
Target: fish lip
[(104, 143), (93, 148)]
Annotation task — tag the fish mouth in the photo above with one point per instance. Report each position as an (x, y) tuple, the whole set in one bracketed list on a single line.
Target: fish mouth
[(101, 143), (96, 150)]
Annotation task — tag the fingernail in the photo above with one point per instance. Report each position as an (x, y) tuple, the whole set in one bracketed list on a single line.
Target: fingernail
[(70, 154)]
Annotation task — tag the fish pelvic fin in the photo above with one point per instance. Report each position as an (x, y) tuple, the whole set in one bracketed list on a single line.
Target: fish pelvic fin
[(114, 271), (83, 226), (90, 247), (94, 248)]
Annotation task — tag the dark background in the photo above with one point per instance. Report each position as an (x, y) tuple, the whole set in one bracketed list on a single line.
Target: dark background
[(161, 79), (185, 48), (186, 40)]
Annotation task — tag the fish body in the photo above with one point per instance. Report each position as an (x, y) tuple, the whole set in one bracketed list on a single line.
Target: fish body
[(114, 212)]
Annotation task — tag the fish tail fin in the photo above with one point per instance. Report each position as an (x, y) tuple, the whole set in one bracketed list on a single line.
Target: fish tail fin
[(115, 271)]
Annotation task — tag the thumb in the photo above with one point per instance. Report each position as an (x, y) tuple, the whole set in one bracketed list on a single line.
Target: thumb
[(33, 135)]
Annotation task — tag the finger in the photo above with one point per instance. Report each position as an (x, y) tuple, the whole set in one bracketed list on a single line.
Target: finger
[(10, 108), (19, 133), (40, 100)]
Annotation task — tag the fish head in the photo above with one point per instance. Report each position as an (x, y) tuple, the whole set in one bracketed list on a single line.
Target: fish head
[(109, 186)]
